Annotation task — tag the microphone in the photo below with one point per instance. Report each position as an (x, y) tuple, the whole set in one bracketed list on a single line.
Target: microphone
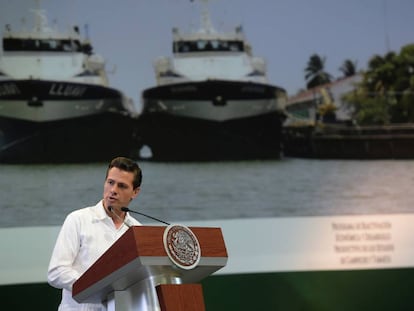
[(111, 209), (126, 209)]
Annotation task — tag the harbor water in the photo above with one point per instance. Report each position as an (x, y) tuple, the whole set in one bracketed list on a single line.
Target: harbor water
[(42, 195)]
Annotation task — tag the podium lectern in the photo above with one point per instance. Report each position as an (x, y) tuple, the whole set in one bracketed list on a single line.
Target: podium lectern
[(136, 273)]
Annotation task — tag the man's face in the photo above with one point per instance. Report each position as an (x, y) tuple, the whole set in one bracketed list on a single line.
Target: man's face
[(118, 188)]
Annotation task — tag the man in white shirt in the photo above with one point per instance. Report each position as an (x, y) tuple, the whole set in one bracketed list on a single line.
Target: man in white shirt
[(88, 232)]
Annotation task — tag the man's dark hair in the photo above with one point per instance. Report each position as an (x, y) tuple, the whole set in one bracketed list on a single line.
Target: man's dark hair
[(128, 165)]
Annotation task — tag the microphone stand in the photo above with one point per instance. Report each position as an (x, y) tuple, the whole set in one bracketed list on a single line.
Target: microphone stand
[(126, 209), (111, 209)]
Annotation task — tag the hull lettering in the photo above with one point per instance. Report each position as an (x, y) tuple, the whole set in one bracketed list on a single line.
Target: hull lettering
[(9, 89), (66, 90)]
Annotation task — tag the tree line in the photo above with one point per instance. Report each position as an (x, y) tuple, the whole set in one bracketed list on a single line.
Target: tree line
[(385, 94)]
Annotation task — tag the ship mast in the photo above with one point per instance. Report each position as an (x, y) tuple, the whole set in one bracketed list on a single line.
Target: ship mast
[(206, 24), (41, 23)]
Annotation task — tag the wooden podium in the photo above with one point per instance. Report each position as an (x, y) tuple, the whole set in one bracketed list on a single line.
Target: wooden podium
[(136, 273)]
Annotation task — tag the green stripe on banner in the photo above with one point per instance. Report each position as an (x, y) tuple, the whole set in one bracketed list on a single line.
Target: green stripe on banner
[(38, 296), (312, 291), (355, 290)]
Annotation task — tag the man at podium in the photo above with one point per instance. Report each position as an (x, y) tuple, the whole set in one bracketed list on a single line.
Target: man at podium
[(88, 232)]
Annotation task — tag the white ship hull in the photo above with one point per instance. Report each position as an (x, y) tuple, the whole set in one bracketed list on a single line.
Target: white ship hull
[(212, 120), (46, 101)]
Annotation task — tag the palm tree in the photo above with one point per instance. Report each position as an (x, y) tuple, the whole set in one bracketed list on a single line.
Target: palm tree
[(381, 73), (386, 93), (314, 72), (348, 68)]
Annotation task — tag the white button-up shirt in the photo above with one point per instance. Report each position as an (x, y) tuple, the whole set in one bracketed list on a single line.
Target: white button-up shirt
[(85, 235)]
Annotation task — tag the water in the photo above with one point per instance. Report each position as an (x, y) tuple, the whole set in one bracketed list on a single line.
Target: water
[(38, 195)]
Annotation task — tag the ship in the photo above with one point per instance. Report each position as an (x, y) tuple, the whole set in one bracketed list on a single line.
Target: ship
[(212, 100), (56, 104)]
